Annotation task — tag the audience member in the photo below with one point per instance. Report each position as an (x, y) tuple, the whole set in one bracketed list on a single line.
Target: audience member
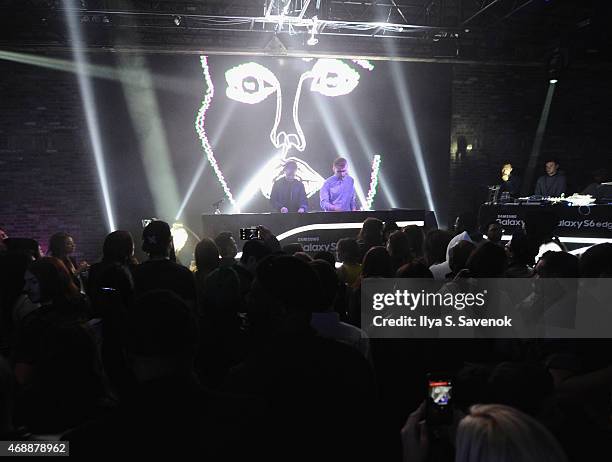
[(415, 269), (389, 228), (228, 249), (370, 235), (23, 245), (491, 432), (487, 260), (303, 256), (398, 247), (524, 386), (293, 248), (326, 256), (252, 253), (348, 255), (376, 264), (326, 321), (14, 304), (496, 432), (62, 246), (596, 261), (49, 284), (494, 232), (8, 392), (68, 387), (159, 272), (416, 236), (207, 258), (558, 265), (520, 258), (114, 269), (458, 257), (435, 245)]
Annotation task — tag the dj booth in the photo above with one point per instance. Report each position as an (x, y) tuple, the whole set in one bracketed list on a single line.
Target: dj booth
[(316, 231), (576, 226)]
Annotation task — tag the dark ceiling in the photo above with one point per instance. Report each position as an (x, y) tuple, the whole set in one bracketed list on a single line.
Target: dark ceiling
[(515, 31)]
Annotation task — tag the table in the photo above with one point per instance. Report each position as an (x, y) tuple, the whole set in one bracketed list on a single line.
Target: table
[(575, 226)]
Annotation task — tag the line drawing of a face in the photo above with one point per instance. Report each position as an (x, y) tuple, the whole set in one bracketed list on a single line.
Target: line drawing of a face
[(251, 83)]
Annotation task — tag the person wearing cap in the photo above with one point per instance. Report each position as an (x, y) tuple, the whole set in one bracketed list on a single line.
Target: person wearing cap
[(288, 193), (159, 272)]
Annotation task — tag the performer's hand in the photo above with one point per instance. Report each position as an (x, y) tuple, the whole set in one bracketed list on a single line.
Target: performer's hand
[(284, 210), (301, 210)]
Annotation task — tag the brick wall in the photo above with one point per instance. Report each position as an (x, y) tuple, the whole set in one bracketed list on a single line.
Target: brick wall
[(580, 121), (496, 109), (48, 181)]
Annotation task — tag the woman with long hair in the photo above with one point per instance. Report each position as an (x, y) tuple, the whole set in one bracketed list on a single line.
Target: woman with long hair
[(62, 246)]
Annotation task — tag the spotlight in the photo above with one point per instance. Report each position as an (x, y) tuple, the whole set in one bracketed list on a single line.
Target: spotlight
[(179, 236), (177, 21), (553, 80)]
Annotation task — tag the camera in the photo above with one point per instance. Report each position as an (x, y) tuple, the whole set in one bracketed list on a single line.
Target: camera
[(248, 234)]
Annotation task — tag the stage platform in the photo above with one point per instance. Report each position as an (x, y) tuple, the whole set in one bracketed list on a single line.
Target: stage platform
[(576, 226), (316, 231)]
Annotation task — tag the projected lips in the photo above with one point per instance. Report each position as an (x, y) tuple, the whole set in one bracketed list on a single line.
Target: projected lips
[(251, 83)]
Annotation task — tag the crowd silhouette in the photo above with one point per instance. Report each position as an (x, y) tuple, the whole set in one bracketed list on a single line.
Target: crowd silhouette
[(265, 357)]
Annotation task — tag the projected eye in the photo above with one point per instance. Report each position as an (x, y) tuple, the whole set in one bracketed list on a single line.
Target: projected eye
[(250, 83), (332, 77)]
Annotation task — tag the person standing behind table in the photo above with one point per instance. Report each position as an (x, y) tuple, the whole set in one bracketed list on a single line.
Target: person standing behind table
[(554, 183), (510, 183), (288, 193), (338, 191)]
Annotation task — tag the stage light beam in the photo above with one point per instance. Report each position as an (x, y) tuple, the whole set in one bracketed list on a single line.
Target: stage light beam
[(367, 148), (399, 81), (339, 144), (89, 105), (537, 142), (144, 111)]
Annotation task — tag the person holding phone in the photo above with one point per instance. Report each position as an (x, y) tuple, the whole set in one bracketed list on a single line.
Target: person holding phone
[(487, 433), (288, 193)]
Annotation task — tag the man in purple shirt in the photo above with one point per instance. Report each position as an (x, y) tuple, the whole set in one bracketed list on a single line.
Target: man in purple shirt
[(338, 191)]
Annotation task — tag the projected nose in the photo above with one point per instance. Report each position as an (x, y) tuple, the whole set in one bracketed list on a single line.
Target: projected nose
[(290, 139), (287, 132)]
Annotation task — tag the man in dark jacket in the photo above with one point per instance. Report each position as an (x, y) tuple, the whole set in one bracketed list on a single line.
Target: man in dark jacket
[(553, 184), (288, 193)]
